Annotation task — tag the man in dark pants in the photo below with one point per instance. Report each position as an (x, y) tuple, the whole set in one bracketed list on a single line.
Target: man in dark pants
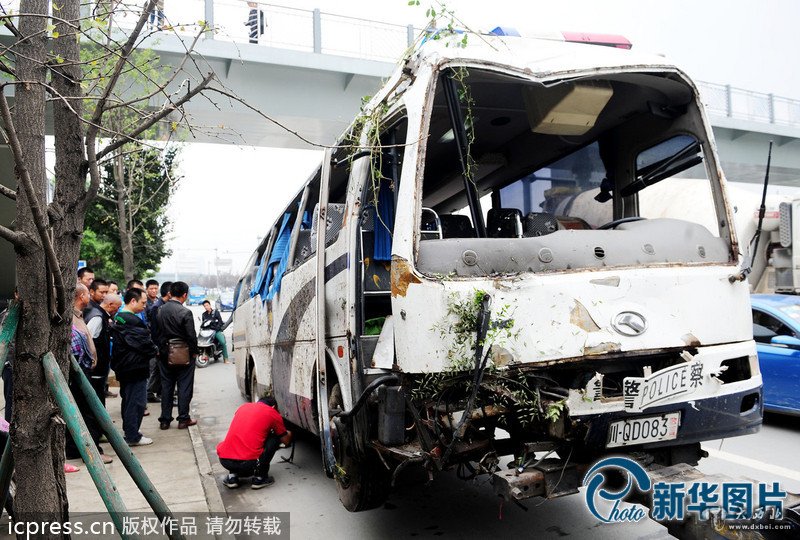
[(256, 432), (176, 322), (211, 314), (154, 384), (130, 359), (97, 321)]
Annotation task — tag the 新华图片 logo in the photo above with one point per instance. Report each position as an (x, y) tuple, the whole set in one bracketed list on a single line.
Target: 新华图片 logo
[(677, 500)]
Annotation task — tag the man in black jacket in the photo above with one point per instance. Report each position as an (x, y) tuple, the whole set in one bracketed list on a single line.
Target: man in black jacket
[(132, 351), (175, 322)]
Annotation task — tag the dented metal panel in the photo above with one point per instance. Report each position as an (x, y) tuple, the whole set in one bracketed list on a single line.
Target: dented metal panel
[(566, 316)]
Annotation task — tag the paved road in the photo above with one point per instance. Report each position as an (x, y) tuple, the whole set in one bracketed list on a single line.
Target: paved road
[(450, 507)]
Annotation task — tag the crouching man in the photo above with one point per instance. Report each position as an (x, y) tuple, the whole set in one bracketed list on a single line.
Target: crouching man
[(254, 436)]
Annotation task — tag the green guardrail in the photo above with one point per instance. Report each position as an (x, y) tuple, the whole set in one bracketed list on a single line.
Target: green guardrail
[(7, 333), (122, 449), (80, 433)]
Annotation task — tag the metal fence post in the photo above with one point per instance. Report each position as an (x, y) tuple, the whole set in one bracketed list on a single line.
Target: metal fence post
[(209, 34), (123, 451), (91, 457), (410, 34), (6, 470), (728, 101), (317, 31)]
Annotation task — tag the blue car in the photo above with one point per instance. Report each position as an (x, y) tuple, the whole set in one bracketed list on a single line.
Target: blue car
[(776, 329), (196, 295)]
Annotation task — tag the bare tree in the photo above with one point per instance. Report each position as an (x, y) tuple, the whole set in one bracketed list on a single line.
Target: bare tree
[(44, 65)]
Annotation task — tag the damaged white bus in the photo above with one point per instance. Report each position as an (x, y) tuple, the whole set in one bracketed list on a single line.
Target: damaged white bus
[(490, 258)]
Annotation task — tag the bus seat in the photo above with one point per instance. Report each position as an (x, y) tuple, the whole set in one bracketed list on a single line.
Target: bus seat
[(572, 223), (504, 223), (456, 226), (430, 226), (334, 221), (539, 224), (304, 250)]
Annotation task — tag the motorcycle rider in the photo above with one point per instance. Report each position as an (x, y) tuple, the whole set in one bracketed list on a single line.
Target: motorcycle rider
[(211, 314)]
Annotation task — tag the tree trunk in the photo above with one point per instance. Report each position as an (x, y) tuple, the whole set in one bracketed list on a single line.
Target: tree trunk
[(70, 194), (125, 240), (33, 430)]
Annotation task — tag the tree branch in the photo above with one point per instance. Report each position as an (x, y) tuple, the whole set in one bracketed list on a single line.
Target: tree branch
[(38, 216), (15, 237), (10, 25), (91, 133), (124, 56), (161, 88), (8, 192), (147, 124), (237, 99)]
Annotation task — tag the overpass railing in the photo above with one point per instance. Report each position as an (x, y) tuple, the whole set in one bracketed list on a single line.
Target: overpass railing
[(327, 33), (726, 100)]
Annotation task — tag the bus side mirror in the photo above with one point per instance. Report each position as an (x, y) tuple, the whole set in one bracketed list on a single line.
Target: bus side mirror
[(788, 342)]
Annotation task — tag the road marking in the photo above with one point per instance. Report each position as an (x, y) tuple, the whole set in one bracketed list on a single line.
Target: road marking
[(754, 464)]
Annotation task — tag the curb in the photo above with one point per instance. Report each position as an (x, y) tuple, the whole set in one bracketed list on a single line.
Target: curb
[(207, 478)]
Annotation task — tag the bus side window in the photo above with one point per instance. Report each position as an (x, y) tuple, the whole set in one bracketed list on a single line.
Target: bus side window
[(306, 245), (255, 279), (236, 298), (247, 279)]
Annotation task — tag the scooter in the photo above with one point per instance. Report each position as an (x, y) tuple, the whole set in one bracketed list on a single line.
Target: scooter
[(210, 351)]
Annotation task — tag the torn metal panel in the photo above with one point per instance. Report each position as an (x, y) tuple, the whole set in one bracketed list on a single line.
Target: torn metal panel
[(612, 281), (601, 348), (402, 277), (580, 317), (691, 340), (383, 357), (674, 384), (551, 478)]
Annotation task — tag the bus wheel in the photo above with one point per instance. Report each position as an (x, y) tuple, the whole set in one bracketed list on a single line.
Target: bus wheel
[(362, 482)]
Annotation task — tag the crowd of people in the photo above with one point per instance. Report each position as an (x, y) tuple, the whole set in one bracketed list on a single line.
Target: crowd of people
[(147, 337)]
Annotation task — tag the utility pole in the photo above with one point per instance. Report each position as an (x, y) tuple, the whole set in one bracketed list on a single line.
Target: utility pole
[(216, 267)]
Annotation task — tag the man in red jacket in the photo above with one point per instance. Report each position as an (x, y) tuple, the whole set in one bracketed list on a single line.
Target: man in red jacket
[(254, 436)]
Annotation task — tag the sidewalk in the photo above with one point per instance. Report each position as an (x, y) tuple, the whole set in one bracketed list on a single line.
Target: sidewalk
[(176, 463)]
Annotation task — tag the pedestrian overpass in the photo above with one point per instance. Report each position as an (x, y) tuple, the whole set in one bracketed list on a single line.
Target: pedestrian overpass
[(310, 70)]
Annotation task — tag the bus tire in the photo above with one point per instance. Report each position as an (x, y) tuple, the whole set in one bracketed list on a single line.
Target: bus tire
[(362, 482)]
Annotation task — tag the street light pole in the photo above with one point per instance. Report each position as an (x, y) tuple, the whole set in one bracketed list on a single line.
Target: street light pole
[(216, 267)]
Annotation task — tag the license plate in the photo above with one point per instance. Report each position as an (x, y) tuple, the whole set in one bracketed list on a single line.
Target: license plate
[(643, 430), (662, 386)]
